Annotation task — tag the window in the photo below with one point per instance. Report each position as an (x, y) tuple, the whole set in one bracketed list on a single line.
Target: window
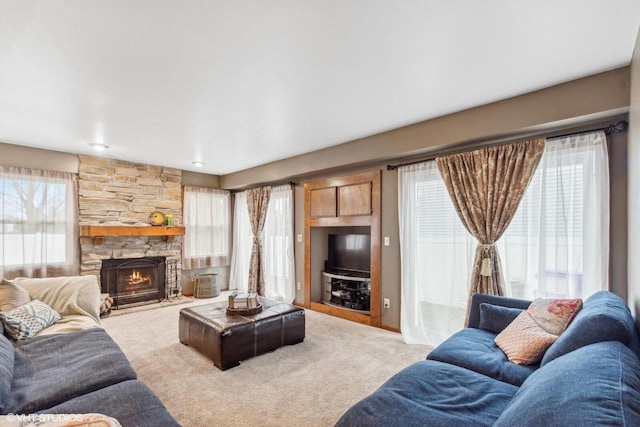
[(39, 223), (207, 221), (242, 241), (436, 255), (277, 245), (557, 245)]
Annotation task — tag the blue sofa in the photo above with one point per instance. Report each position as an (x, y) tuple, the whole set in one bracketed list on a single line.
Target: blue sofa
[(76, 373), (73, 366), (589, 376)]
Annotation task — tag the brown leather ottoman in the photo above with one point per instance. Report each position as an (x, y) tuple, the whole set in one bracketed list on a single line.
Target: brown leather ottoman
[(228, 340)]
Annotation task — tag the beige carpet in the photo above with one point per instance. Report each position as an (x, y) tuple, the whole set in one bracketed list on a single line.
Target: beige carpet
[(307, 384)]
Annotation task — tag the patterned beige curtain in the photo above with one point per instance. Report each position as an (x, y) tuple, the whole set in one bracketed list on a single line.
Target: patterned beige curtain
[(257, 203), (486, 186)]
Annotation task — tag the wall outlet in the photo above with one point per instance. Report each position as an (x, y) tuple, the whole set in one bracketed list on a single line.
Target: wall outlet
[(298, 286), (386, 240), (386, 303)]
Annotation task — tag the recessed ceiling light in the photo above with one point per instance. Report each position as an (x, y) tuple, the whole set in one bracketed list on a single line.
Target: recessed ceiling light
[(198, 164), (99, 147)]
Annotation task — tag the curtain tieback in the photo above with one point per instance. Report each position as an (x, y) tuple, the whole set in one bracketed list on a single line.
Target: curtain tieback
[(485, 267)]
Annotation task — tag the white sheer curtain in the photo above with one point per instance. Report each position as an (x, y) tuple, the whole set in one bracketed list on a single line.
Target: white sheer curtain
[(38, 216), (557, 245), (207, 221), (436, 253), (277, 245), (277, 241), (242, 241)]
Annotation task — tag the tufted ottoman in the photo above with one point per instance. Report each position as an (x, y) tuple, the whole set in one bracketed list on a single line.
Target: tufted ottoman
[(228, 340)]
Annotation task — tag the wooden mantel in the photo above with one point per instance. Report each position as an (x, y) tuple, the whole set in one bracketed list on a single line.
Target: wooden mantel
[(99, 232)]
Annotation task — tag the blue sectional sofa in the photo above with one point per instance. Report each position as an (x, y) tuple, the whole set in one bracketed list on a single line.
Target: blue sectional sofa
[(76, 373), (73, 366), (589, 376)]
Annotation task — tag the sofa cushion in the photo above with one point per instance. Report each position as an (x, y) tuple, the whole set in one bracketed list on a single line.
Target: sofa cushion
[(131, 402), (73, 295), (54, 368), (524, 341), (7, 357), (603, 317), (596, 385), (494, 318), (12, 295), (475, 349), (432, 393), (26, 321)]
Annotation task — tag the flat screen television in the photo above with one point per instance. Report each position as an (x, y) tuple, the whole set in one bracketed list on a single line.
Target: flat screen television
[(350, 253)]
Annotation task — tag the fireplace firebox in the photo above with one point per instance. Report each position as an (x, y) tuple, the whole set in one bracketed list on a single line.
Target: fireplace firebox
[(133, 281)]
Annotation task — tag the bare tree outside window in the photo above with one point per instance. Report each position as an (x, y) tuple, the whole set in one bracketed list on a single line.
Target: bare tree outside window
[(38, 221)]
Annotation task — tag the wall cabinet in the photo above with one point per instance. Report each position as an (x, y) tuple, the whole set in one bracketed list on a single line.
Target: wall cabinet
[(323, 202), (342, 205), (354, 199), (343, 200)]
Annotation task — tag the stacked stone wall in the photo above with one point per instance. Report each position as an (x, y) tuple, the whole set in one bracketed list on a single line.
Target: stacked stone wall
[(116, 192)]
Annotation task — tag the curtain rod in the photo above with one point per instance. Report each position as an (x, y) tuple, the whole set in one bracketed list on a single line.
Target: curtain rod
[(275, 184), (621, 126)]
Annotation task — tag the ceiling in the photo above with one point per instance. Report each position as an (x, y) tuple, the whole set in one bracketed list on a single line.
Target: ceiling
[(240, 83)]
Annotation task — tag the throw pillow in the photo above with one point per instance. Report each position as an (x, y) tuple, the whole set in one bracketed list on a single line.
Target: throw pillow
[(554, 315), (26, 321), (494, 318), (12, 296), (524, 341)]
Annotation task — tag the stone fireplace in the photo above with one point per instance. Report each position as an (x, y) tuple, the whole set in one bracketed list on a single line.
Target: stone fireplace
[(131, 281), (122, 194)]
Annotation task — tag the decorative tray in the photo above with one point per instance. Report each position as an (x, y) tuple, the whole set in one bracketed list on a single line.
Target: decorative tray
[(244, 311)]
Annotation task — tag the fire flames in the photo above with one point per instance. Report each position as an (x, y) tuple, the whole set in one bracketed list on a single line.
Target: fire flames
[(137, 279)]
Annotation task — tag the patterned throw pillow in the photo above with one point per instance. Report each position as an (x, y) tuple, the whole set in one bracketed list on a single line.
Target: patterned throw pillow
[(554, 315), (524, 341), (24, 322), (12, 296)]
